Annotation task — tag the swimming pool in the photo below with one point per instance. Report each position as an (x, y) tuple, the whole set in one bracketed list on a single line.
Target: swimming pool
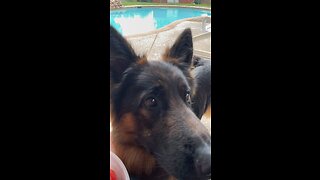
[(131, 21)]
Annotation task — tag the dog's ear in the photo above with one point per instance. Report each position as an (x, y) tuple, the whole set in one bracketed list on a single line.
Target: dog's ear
[(181, 52), (121, 55)]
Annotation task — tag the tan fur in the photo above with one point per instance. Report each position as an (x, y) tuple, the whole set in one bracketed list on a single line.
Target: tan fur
[(207, 114), (142, 60), (135, 158), (123, 137), (172, 178), (167, 58), (123, 131), (165, 55)]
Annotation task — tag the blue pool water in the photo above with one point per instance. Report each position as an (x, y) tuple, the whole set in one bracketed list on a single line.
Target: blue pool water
[(131, 21)]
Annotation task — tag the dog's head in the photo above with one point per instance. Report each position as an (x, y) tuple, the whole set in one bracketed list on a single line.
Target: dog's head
[(154, 98)]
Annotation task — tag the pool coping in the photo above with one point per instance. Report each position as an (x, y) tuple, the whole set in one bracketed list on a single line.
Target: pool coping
[(169, 26), (134, 6)]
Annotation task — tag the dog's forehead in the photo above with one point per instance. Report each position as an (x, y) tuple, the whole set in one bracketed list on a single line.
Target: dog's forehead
[(162, 73)]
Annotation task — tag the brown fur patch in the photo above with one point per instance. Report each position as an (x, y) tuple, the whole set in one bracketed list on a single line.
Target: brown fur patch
[(172, 178), (167, 58), (207, 113), (144, 113), (135, 158), (142, 60), (123, 131), (165, 55), (123, 137)]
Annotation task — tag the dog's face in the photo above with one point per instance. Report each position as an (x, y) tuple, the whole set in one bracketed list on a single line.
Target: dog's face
[(154, 97)]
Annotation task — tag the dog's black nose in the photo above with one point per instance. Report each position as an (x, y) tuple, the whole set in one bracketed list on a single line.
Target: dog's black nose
[(203, 160)]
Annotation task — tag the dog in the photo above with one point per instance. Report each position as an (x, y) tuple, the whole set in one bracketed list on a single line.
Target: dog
[(201, 71), (154, 129)]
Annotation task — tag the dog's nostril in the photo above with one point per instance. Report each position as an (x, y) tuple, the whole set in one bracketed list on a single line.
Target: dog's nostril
[(203, 161), (187, 146)]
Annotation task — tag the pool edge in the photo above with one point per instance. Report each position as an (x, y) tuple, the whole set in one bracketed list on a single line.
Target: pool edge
[(135, 6), (167, 27)]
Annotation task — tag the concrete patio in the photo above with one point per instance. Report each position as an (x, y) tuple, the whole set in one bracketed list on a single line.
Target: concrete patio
[(154, 43)]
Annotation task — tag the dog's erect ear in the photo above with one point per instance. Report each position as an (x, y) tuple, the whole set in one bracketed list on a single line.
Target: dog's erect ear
[(121, 55), (181, 52)]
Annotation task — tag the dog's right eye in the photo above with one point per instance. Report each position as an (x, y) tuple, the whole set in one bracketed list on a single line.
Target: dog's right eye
[(188, 96), (150, 102)]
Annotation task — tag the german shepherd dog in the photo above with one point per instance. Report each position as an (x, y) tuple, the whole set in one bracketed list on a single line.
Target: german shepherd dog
[(154, 130), (201, 99)]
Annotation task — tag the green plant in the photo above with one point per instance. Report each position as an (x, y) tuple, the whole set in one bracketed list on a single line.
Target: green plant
[(197, 1)]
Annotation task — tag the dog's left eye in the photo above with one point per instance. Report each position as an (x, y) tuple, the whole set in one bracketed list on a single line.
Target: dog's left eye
[(188, 97), (151, 102)]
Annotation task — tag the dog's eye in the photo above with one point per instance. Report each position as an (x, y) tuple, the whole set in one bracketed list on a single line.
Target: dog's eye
[(151, 102), (188, 97)]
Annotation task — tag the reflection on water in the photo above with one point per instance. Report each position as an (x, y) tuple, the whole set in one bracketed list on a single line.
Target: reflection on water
[(139, 20), (134, 24)]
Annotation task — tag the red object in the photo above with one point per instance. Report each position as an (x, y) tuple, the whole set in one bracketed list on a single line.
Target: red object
[(112, 175)]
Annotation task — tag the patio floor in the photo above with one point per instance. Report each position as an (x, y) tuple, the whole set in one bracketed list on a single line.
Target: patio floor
[(154, 44)]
